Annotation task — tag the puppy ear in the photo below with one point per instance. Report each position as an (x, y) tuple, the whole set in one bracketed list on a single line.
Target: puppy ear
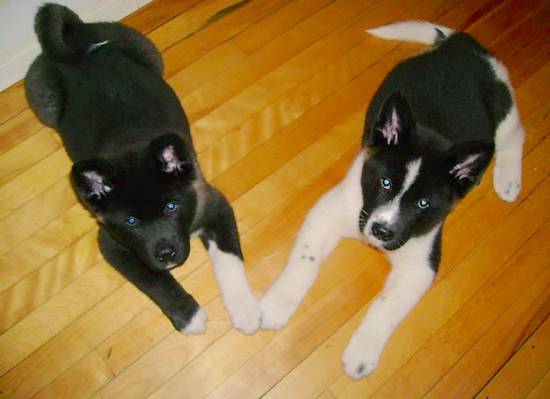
[(466, 164), (94, 181), (171, 156), (394, 123)]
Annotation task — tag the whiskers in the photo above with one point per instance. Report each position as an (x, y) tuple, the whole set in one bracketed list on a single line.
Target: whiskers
[(363, 217)]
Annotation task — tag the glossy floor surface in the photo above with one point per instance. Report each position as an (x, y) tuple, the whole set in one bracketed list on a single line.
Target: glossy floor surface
[(276, 92)]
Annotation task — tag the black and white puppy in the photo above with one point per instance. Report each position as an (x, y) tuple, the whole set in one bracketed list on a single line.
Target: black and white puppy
[(100, 86), (430, 133)]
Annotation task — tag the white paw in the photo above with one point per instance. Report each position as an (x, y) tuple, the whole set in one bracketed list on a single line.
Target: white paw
[(245, 314), (197, 325), (361, 356), (276, 310), (507, 178)]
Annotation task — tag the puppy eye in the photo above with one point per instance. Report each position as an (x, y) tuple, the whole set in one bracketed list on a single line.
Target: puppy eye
[(171, 206), (131, 221), (423, 203), (385, 183)]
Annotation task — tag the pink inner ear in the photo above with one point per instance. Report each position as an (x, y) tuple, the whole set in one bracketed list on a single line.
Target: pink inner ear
[(464, 169), (172, 163), (98, 188), (390, 131)]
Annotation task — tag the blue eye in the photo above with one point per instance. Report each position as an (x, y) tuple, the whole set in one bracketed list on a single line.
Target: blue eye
[(131, 221), (170, 206), (385, 183), (423, 203)]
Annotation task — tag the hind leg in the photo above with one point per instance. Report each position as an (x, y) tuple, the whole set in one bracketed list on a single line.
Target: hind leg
[(44, 92), (509, 138)]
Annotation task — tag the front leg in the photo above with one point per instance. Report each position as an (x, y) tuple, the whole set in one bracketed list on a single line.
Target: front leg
[(180, 307), (221, 238), (413, 270), (336, 215)]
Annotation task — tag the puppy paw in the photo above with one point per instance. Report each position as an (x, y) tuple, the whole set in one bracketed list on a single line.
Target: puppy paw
[(245, 315), (276, 311), (197, 324), (361, 356), (507, 178)]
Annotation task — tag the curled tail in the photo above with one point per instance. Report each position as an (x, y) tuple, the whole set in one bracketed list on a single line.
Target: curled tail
[(413, 31), (61, 33)]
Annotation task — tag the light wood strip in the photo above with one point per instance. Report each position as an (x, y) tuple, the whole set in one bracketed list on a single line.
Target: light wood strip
[(526, 367), (24, 155), (190, 22), (542, 388), (326, 395), (71, 344), (80, 382), (21, 223), (17, 129), (294, 48), (31, 332), (12, 102), (44, 245), (32, 291), (157, 13), (185, 52)]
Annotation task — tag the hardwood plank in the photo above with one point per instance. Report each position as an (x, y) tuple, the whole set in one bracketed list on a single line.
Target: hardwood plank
[(542, 388), (69, 346), (19, 224), (89, 373), (17, 129), (12, 102), (57, 313), (35, 251), (326, 395), (158, 13), (318, 31), (190, 22), (37, 287), (525, 368), (185, 52), (24, 155)]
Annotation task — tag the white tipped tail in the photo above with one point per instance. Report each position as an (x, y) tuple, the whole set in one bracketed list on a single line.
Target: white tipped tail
[(411, 31)]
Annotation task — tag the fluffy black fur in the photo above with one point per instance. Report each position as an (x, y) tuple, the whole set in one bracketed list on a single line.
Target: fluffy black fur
[(100, 86), (442, 107)]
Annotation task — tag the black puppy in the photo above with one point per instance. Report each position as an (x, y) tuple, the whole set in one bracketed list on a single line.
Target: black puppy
[(430, 132), (100, 86)]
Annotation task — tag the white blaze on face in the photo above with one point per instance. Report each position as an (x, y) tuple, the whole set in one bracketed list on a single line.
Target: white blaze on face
[(389, 212)]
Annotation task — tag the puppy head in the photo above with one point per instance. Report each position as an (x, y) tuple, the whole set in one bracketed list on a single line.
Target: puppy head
[(145, 199), (407, 188)]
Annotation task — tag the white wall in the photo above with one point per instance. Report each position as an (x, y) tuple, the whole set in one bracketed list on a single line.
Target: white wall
[(18, 44)]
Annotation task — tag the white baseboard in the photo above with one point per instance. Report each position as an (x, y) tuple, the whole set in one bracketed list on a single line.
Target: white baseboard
[(18, 44)]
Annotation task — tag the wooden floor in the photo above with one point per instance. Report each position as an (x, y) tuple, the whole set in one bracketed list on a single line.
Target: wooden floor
[(276, 92)]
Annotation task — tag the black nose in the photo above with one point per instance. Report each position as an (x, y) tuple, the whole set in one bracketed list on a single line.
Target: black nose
[(165, 253), (381, 232)]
